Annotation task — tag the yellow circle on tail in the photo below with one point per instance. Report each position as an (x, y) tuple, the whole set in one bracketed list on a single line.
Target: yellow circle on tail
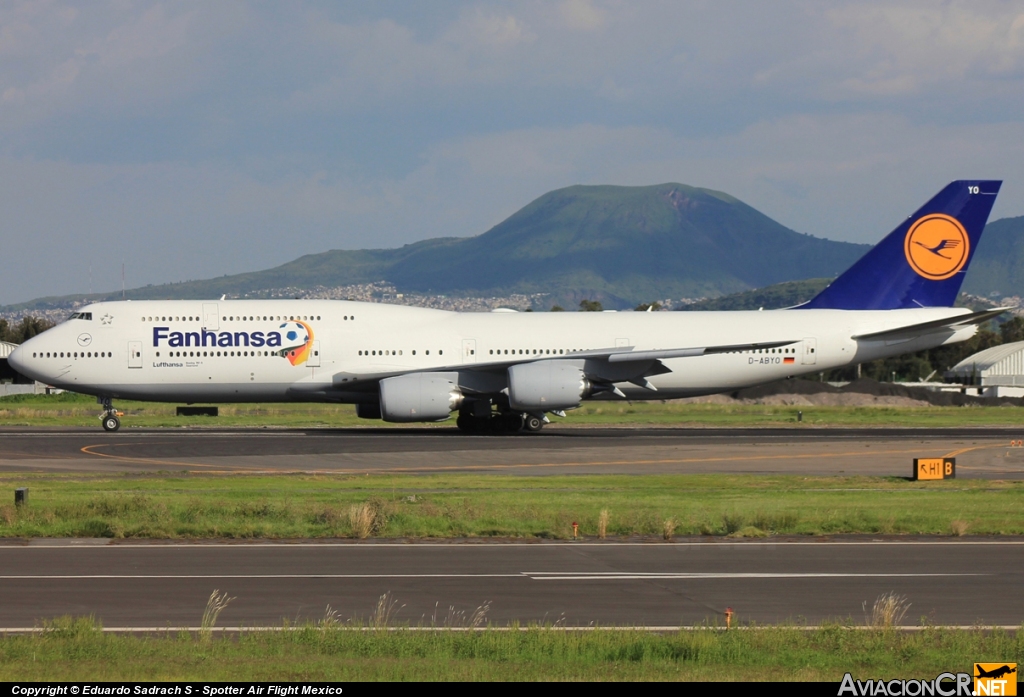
[(937, 246)]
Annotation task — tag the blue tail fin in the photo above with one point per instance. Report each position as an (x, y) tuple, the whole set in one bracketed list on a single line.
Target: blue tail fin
[(922, 262)]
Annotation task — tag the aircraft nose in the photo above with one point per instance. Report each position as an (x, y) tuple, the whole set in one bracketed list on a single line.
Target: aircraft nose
[(15, 359)]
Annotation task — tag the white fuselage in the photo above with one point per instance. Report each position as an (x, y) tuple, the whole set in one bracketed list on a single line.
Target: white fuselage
[(195, 351)]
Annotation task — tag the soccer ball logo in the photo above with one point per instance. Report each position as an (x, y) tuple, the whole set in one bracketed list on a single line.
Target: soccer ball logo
[(297, 337)]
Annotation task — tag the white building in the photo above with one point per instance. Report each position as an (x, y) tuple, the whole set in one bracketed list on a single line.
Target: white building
[(996, 372), (11, 382)]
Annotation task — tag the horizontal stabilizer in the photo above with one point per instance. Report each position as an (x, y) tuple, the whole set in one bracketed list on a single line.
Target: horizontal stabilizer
[(952, 323)]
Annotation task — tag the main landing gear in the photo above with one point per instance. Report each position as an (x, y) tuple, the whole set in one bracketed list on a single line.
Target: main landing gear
[(110, 419), (499, 423), (532, 423)]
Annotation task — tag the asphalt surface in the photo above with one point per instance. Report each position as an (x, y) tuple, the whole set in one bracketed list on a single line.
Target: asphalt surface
[(647, 584), (980, 453), (570, 584)]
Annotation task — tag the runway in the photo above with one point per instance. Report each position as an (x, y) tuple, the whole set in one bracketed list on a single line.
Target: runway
[(980, 452), (568, 584), (571, 584)]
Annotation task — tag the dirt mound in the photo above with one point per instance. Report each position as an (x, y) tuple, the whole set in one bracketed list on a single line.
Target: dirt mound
[(863, 392)]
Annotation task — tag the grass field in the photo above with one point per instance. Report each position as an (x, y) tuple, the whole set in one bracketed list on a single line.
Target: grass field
[(188, 506), (79, 410), (77, 650), (195, 506)]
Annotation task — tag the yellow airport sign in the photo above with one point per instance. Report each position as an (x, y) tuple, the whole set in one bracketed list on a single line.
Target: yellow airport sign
[(929, 468)]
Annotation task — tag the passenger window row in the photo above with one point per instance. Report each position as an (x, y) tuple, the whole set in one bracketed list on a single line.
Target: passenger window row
[(214, 354), (786, 350), (394, 352), (72, 354), (232, 318), (533, 352)]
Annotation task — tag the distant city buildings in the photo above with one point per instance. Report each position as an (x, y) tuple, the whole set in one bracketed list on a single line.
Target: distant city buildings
[(383, 292)]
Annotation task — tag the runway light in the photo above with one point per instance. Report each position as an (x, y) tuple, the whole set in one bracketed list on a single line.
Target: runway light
[(575, 529), (21, 496)]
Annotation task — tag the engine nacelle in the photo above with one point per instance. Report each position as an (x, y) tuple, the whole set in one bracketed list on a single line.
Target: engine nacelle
[(419, 397), (546, 386)]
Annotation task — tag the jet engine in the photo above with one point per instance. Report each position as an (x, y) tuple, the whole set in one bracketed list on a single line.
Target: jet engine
[(419, 397), (546, 386)]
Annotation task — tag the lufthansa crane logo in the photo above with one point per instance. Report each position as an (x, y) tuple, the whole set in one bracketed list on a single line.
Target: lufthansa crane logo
[(937, 246)]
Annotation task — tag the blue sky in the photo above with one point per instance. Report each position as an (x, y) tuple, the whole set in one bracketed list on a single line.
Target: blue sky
[(193, 140)]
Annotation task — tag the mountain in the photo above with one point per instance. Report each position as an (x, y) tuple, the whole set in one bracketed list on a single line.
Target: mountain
[(997, 269), (772, 297), (790, 293), (621, 245), (632, 242)]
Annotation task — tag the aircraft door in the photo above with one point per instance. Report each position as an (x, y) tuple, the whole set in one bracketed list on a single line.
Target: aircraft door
[(134, 354), (314, 355), (810, 356), (469, 350), (211, 317)]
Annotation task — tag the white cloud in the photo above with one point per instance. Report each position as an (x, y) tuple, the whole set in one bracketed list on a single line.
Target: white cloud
[(582, 14), (848, 177), (907, 48)]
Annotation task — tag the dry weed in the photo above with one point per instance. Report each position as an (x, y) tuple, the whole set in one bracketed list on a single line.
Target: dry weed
[(668, 528), (382, 613), (958, 528), (330, 618), (888, 611), (367, 518), (217, 602), (360, 517), (462, 618), (479, 616), (602, 524)]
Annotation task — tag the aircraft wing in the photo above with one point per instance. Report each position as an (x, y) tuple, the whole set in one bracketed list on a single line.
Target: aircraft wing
[(622, 355), (626, 355), (953, 323)]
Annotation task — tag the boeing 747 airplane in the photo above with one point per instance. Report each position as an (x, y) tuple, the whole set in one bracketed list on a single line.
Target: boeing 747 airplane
[(506, 371)]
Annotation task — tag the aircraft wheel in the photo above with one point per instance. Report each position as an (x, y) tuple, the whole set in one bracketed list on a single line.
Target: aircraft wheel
[(111, 423), (532, 423)]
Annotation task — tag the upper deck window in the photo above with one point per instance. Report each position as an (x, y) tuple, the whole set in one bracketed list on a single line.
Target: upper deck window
[(82, 315)]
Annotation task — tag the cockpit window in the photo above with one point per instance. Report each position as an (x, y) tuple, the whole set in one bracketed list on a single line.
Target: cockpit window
[(82, 315)]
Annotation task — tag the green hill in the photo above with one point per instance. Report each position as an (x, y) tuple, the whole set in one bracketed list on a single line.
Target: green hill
[(772, 297), (632, 242), (622, 245)]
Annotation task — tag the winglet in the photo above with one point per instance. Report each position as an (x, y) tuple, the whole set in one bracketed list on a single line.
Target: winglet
[(923, 261)]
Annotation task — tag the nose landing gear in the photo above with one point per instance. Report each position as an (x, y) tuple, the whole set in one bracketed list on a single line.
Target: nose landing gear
[(110, 419)]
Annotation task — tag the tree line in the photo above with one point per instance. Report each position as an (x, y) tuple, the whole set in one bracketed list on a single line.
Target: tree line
[(24, 330), (933, 363)]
